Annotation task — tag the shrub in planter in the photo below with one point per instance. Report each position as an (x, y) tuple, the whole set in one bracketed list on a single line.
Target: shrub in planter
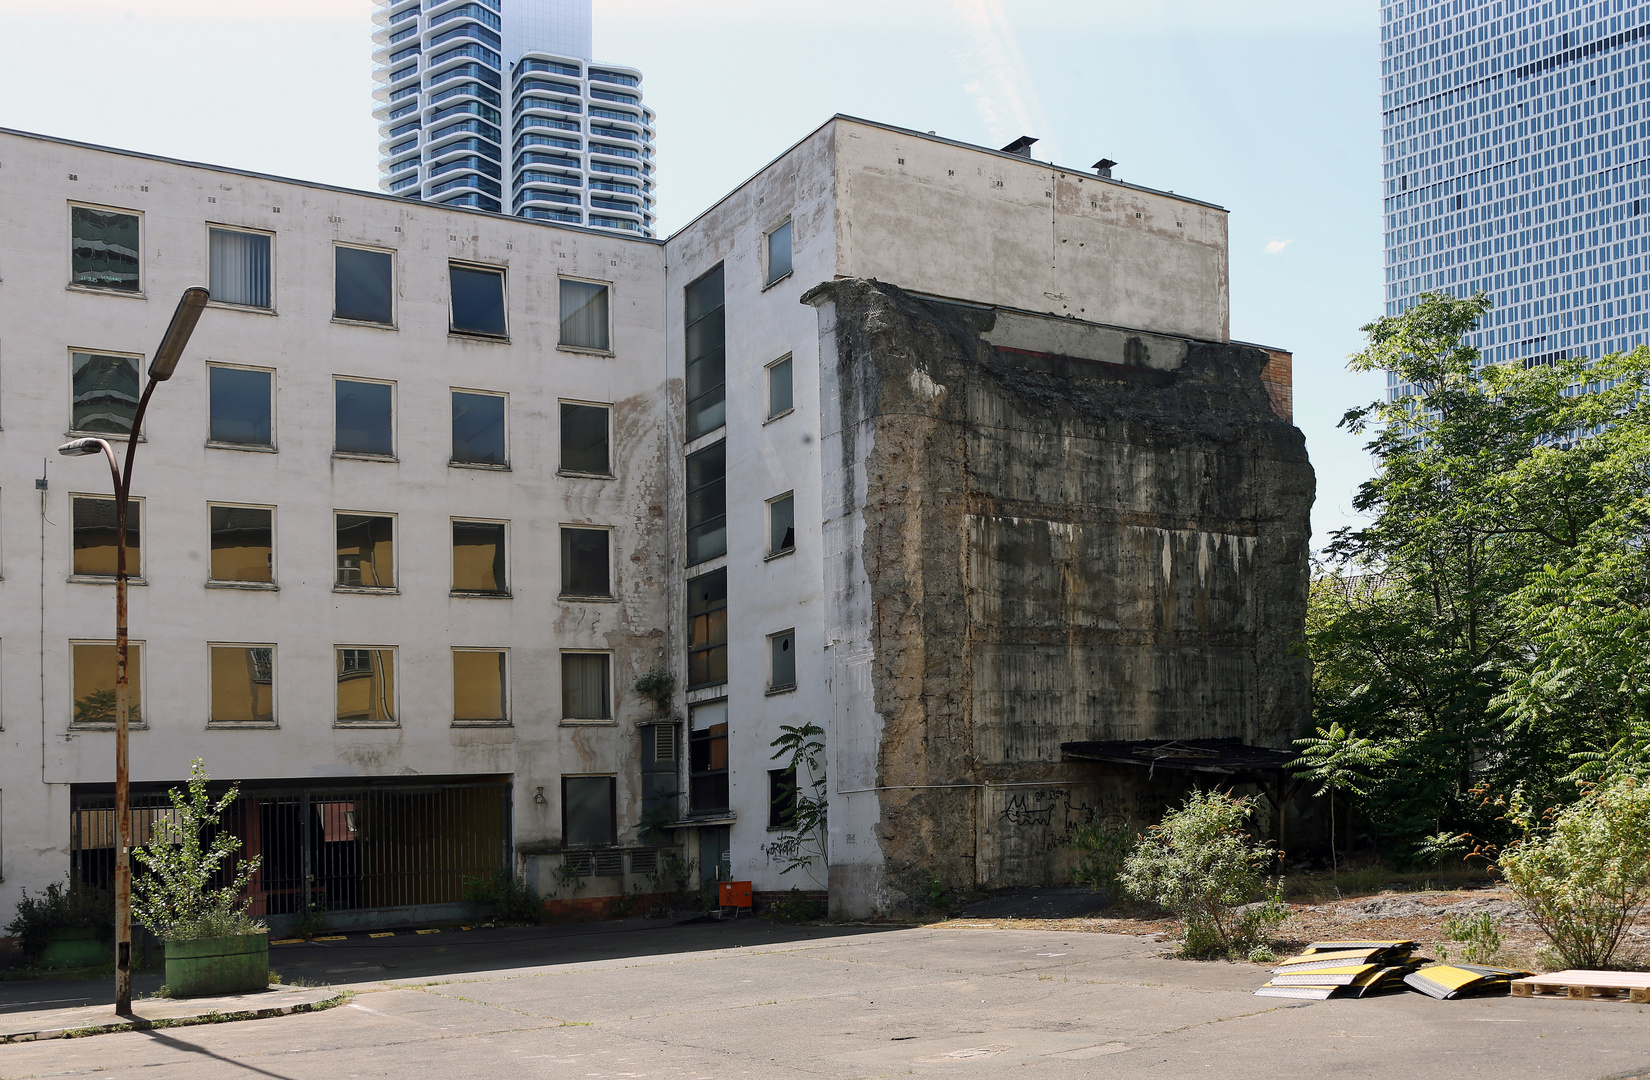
[(65, 926), (212, 946), (513, 902)]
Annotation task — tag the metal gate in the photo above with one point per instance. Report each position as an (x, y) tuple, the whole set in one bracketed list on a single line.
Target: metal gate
[(389, 848)]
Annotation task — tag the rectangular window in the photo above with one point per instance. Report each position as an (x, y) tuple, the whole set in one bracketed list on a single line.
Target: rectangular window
[(363, 285), (480, 687), (238, 267), (365, 418), (94, 536), (243, 544), (708, 629), (707, 503), (104, 250), (584, 317), (478, 557), (105, 393), (584, 439), (782, 660), (585, 562), (366, 551), (479, 437), (243, 684), (660, 787), (782, 524), (478, 300), (779, 253), (779, 387), (589, 812), (708, 759), (781, 798), (706, 355), (366, 685), (240, 403), (94, 682), (586, 691)]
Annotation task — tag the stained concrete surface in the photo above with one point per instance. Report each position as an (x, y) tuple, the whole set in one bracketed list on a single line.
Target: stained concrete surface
[(753, 1000)]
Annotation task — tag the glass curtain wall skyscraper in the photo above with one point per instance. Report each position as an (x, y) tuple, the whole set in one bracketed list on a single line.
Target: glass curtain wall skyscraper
[(497, 104), (1515, 140)]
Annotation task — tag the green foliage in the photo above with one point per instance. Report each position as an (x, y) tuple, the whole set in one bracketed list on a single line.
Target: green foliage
[(1478, 933), (794, 907), (677, 878), (568, 878), (1338, 761), (1581, 871), (656, 821), (60, 908), (658, 686), (98, 707), (936, 892), (803, 749), (1201, 864), (175, 896), (311, 921), (513, 901), (1101, 849)]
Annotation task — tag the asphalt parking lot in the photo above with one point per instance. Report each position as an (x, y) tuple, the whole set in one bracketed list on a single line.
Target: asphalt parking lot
[(756, 1000)]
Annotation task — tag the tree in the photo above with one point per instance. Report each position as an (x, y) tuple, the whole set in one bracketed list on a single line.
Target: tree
[(804, 840), (1337, 760)]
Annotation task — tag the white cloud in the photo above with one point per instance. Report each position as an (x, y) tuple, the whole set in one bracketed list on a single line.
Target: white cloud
[(1001, 84), (1275, 247)]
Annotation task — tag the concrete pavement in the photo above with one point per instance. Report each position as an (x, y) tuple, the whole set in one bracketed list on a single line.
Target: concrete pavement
[(756, 1000)]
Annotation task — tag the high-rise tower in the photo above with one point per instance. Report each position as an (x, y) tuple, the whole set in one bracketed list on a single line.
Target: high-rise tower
[(496, 104), (1514, 137)]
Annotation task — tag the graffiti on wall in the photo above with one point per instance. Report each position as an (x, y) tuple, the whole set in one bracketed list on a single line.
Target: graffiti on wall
[(1042, 820)]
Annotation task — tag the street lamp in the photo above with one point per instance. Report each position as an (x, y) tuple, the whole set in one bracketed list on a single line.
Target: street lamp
[(160, 369)]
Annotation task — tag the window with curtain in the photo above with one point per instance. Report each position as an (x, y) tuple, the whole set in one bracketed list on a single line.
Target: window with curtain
[(585, 686), (239, 268), (584, 315)]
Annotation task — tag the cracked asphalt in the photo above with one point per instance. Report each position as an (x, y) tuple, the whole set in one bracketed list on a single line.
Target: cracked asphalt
[(751, 999)]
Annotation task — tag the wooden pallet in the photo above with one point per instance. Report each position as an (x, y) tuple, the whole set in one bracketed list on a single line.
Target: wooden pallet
[(1588, 986)]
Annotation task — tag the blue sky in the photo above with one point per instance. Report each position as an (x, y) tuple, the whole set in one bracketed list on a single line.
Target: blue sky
[(1268, 108)]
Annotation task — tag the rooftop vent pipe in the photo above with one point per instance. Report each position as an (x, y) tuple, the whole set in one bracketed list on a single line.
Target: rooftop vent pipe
[(1020, 147), (1103, 167)]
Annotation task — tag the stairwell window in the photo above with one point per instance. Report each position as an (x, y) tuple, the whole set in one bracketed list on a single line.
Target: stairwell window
[(705, 316), (708, 629), (477, 300), (708, 759), (104, 251), (779, 253), (363, 285), (707, 503), (239, 267), (584, 316)]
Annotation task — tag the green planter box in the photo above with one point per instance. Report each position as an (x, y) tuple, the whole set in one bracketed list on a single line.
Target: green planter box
[(77, 947), (223, 965)]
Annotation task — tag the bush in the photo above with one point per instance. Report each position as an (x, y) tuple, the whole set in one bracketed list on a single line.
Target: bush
[(1101, 850), (1201, 864), (60, 908), (175, 896), (514, 902), (1480, 937), (1582, 871), (794, 907)]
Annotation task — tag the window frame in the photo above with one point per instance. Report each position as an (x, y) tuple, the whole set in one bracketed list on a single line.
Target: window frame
[(504, 689), (274, 680), (395, 287), (767, 389), (612, 594), (113, 436), (768, 280), (273, 584), (395, 428), (612, 697), (502, 272), (270, 233), (395, 692), (723, 645), (136, 649), (133, 576), (780, 552), (139, 293), (689, 435), (481, 594), (561, 450), (707, 523), (726, 772), (395, 555), (586, 350), (613, 809), (452, 460), (253, 448), (773, 643)]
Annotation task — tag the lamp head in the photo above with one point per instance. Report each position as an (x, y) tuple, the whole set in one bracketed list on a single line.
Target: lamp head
[(188, 313), (81, 447)]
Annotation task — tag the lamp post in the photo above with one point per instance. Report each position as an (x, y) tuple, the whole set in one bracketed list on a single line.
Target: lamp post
[(160, 369)]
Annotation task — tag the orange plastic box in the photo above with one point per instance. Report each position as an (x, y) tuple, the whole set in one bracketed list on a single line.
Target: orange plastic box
[(735, 894)]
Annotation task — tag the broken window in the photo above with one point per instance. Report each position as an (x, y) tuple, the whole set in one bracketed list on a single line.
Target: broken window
[(708, 629), (584, 562), (366, 551), (94, 536), (708, 759), (782, 524), (781, 798), (240, 403), (366, 685), (706, 355), (103, 252), (478, 300), (584, 439), (584, 315), (105, 393), (478, 557), (589, 811), (779, 253), (243, 544), (586, 692), (94, 668), (365, 418), (707, 503), (479, 687), (478, 428), (243, 684), (779, 387), (363, 285), (782, 660), (238, 270)]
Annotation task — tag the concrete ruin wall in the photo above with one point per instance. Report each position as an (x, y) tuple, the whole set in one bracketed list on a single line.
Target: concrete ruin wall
[(1055, 549)]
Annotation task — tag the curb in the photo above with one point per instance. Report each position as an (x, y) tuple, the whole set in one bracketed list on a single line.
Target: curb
[(114, 1024)]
